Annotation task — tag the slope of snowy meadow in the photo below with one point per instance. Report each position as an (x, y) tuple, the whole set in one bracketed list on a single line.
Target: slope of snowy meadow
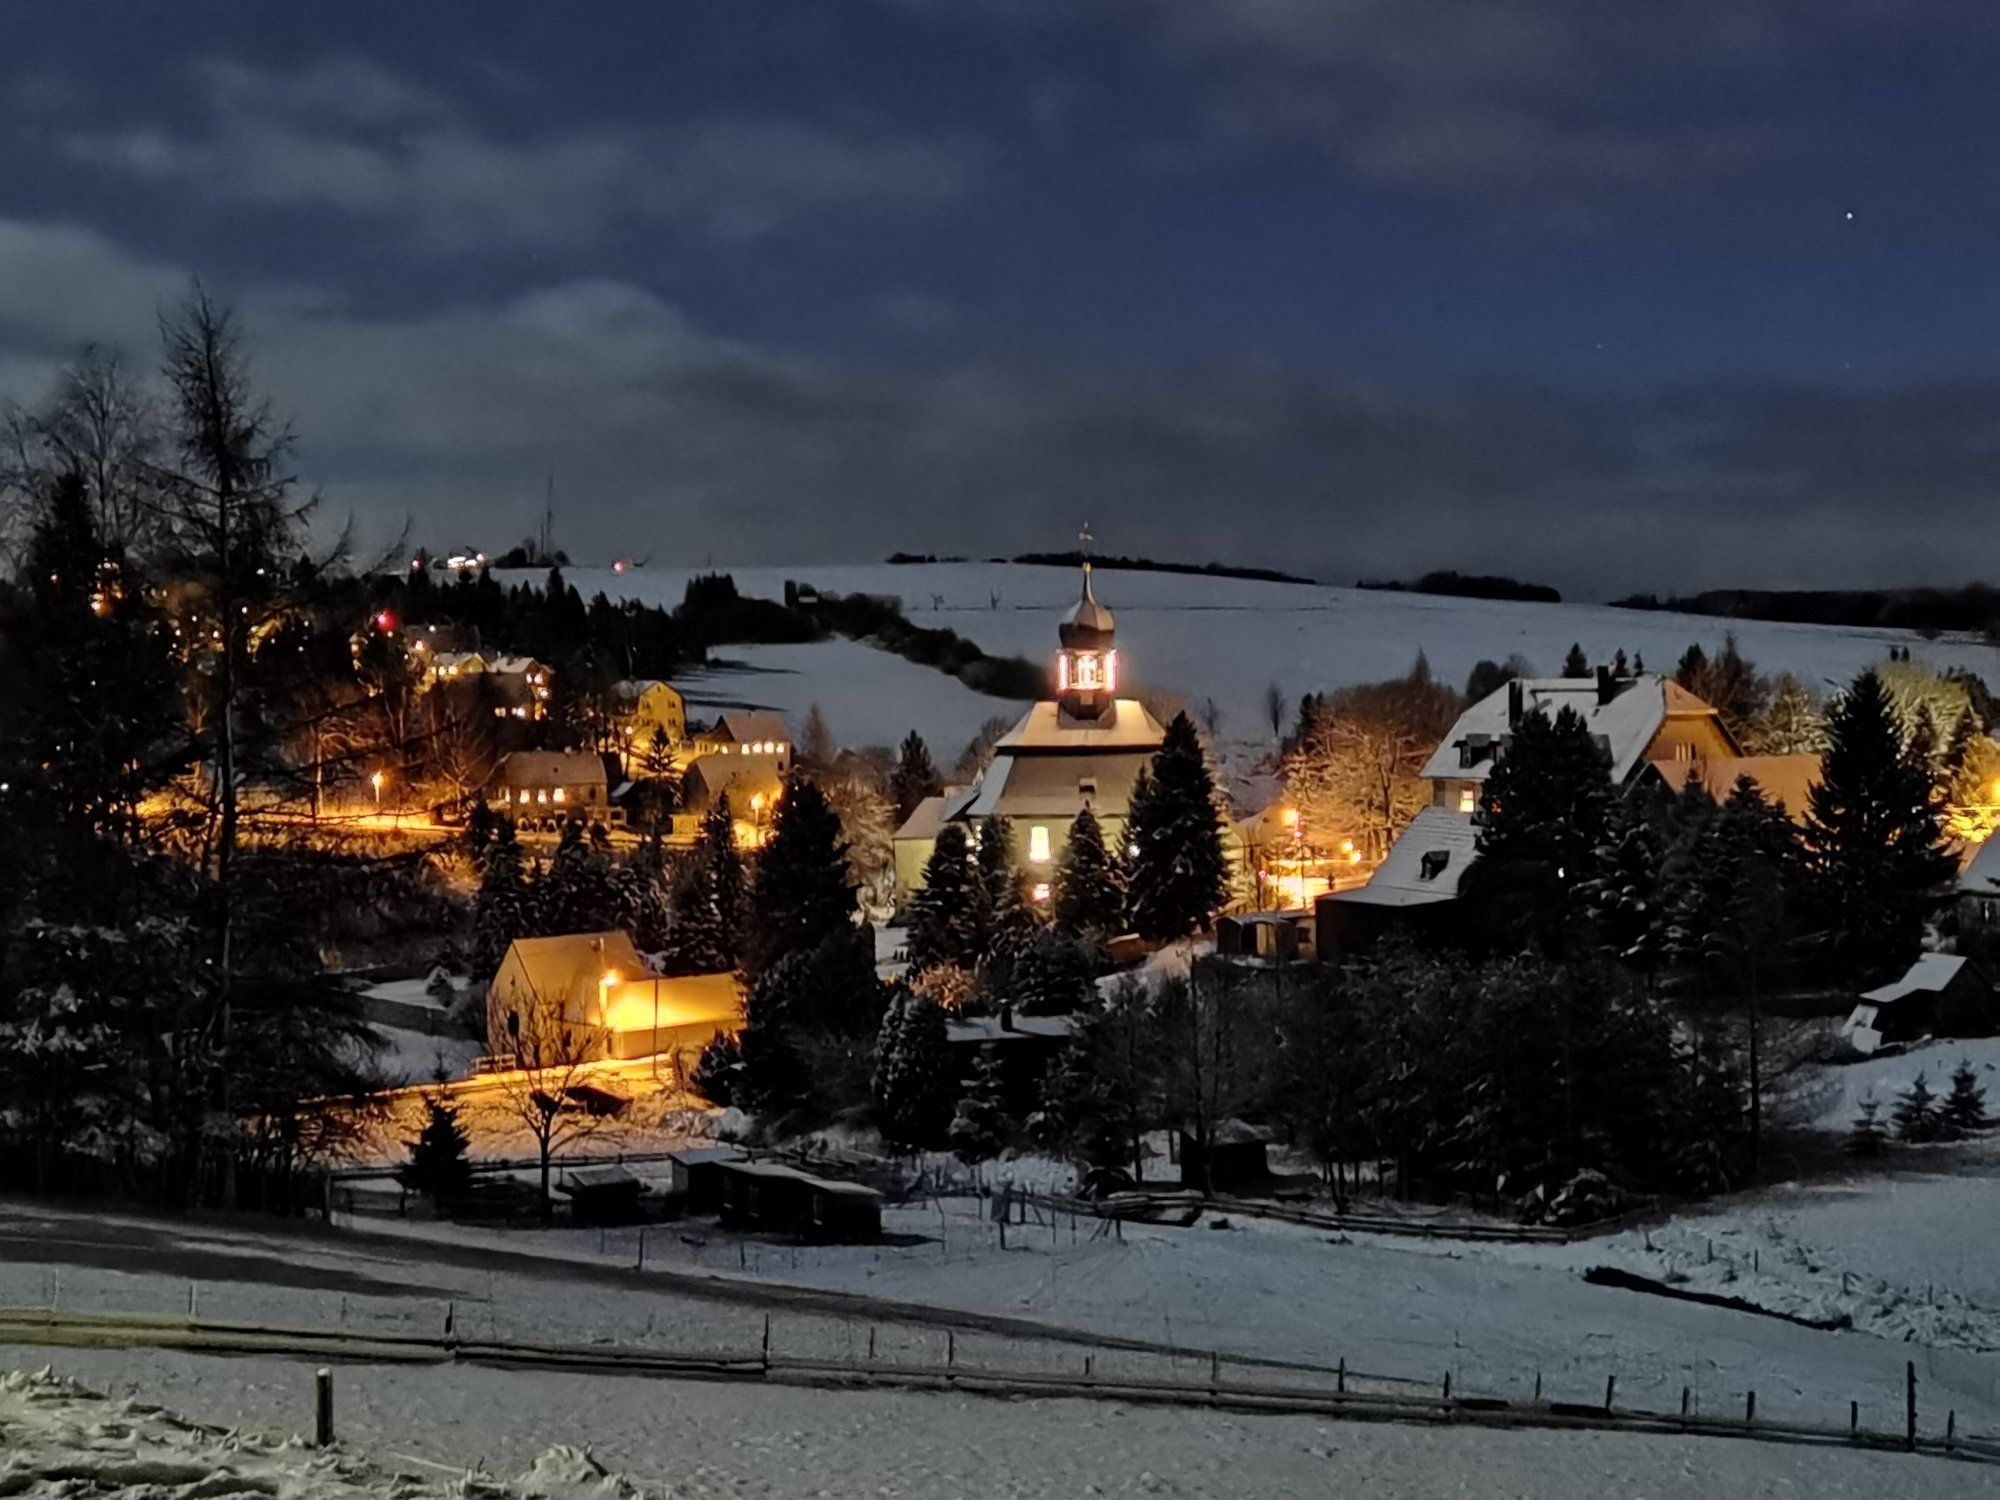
[(1227, 639)]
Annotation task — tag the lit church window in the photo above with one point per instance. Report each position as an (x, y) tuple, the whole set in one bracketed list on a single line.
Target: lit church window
[(1038, 845)]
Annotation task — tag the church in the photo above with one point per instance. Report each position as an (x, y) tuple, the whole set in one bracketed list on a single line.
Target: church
[(1085, 747)]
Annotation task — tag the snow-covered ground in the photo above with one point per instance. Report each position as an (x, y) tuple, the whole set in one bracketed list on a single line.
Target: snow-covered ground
[(1491, 1316), (62, 1439), (691, 1441), (1227, 638)]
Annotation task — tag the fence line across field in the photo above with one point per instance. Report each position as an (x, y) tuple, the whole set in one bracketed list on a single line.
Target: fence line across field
[(1221, 1382)]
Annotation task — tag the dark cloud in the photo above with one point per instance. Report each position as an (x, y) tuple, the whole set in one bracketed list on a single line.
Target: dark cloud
[(1505, 99), (350, 135), (668, 439)]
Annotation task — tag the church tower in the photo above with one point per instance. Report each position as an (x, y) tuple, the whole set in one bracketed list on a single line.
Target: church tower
[(1087, 664)]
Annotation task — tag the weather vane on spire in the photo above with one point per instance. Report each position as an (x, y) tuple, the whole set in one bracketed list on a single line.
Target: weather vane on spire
[(1084, 536)]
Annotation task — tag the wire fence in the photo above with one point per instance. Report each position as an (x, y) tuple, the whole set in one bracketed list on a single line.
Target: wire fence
[(1215, 1382)]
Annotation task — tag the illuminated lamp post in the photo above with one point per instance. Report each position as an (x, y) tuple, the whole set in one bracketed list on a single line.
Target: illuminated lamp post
[(376, 782)]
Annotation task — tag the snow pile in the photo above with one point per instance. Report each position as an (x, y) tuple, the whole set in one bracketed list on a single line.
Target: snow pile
[(1764, 1261), (56, 1438)]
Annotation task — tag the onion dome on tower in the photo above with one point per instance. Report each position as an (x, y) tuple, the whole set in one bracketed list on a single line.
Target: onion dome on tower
[(1087, 664)]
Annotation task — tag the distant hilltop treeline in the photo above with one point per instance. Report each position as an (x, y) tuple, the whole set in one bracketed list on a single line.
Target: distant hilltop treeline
[(1113, 561), (1972, 606), (1468, 586)]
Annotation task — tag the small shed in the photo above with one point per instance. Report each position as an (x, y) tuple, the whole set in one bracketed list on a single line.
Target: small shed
[(1236, 1159), (784, 1200), (602, 1195), (1026, 1046), (1278, 937), (1941, 994), (698, 1176)]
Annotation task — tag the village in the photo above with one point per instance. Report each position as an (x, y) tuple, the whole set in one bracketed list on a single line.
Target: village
[(1000, 749)]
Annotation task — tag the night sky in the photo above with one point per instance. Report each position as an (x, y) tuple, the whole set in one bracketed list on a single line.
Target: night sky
[(1614, 296)]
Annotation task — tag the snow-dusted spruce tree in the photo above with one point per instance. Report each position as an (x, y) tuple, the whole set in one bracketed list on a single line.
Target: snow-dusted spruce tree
[(915, 776), (499, 912), (438, 1166), (705, 899), (1917, 1116), (1791, 723), (1180, 875), (1867, 1134), (981, 1129), (945, 914), (1575, 663), (802, 894), (1545, 810), (1051, 977), (1875, 858), (1006, 920), (1089, 883), (913, 1084), (1965, 1105), (1621, 896), (718, 1070)]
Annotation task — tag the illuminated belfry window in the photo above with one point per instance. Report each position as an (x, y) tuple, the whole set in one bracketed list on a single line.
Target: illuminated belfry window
[(1038, 844), (1087, 664)]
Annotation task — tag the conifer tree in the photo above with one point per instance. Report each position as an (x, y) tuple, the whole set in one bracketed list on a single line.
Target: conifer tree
[(817, 751), (1545, 810), (802, 895), (1089, 885), (1051, 975), (1965, 1105), (913, 1083), (1873, 848), (719, 1070), (981, 1128), (1180, 875), (705, 900), (945, 915), (1005, 920), (499, 912), (1576, 664), (1917, 1115), (914, 777), (1621, 897), (438, 1166)]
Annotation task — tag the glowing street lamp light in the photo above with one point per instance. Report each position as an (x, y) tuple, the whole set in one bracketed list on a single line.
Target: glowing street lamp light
[(376, 781)]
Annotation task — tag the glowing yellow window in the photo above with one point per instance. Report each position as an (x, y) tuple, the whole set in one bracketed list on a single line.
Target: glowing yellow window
[(1038, 845), (559, 794), (1468, 800)]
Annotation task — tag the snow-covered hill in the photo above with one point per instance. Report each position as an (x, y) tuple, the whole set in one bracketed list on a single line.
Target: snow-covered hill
[(1226, 639)]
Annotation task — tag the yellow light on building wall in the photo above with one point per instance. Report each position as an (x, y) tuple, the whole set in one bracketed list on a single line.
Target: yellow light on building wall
[(1038, 844)]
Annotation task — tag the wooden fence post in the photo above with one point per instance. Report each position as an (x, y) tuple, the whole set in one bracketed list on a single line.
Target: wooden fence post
[(323, 1407), (1538, 1387), (767, 1342), (1610, 1388), (1853, 1418), (1750, 1409), (1910, 1405), (1684, 1403), (1340, 1379)]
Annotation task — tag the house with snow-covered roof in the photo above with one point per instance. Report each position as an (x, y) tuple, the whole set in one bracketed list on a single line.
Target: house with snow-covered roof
[(1645, 725)]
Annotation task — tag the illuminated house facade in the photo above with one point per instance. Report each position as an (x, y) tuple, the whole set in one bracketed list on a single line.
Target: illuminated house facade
[(650, 712), (1085, 747), (547, 788), (595, 986)]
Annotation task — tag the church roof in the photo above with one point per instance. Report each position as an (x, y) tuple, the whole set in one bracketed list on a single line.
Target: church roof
[(1046, 727)]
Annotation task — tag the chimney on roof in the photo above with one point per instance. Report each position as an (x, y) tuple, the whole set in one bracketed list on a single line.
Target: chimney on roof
[(1609, 685), (1513, 703), (1006, 1015)]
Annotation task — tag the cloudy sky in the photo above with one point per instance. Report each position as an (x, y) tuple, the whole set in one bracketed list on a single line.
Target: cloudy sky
[(1614, 296)]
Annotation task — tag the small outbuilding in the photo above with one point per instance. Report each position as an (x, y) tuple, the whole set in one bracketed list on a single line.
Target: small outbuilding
[(1942, 994), (1237, 1159), (783, 1200), (602, 1195)]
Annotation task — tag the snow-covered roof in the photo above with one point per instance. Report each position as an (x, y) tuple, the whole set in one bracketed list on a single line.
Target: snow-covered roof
[(1625, 725), (925, 819), (1045, 727), (631, 689), (550, 768), (755, 726), (1982, 876), (515, 665), (1929, 974), (1424, 866), (608, 1175), (973, 1029)]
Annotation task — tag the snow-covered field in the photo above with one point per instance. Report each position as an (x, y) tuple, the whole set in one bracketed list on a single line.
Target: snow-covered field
[(1491, 1316), (1222, 638)]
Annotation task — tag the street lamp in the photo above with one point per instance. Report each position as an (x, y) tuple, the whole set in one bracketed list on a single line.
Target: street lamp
[(376, 782)]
